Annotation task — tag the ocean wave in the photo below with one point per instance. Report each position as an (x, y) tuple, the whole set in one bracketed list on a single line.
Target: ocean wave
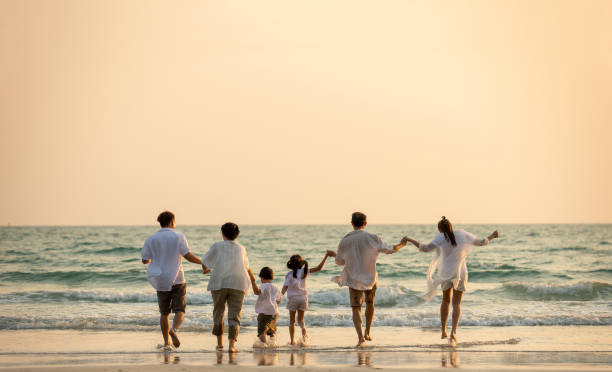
[(74, 277), (390, 296), (202, 321), (581, 291), (499, 274)]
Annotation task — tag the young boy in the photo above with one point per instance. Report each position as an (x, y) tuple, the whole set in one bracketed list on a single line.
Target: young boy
[(266, 307)]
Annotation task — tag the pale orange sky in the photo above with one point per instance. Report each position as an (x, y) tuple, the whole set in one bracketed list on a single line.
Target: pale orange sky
[(303, 112)]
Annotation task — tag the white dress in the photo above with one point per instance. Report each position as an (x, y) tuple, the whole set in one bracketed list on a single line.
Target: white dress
[(449, 261)]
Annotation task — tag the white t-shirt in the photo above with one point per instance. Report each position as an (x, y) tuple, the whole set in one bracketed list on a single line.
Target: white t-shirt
[(229, 264), (358, 252), (296, 286), (165, 249), (267, 299), (449, 262)]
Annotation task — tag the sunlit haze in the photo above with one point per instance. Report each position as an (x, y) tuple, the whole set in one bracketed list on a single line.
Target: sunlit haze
[(285, 112)]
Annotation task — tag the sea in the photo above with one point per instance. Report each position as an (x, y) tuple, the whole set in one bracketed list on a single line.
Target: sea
[(91, 277)]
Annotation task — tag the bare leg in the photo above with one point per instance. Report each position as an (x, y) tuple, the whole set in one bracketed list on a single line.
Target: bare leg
[(369, 314), (220, 342), (456, 313), (164, 323), (176, 323), (300, 319), (292, 326), (357, 323), (446, 296)]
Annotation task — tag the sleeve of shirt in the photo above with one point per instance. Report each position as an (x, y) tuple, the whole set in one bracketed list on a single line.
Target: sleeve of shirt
[(382, 246), (340, 255), (146, 251), (245, 259), (183, 246), (474, 240), (288, 279), (433, 245), (210, 257)]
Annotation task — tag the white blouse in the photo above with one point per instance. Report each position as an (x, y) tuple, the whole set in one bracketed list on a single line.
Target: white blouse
[(358, 252), (229, 264), (296, 286), (449, 260)]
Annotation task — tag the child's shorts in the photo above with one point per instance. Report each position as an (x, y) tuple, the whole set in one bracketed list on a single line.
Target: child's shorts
[(266, 324), (297, 303)]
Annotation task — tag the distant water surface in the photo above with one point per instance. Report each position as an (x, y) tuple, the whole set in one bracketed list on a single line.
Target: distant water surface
[(92, 277)]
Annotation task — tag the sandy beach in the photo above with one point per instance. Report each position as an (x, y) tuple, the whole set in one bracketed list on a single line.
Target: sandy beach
[(491, 348)]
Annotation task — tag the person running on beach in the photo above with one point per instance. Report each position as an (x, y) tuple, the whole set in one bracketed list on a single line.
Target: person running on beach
[(297, 295), (452, 248), (358, 252), (163, 251), (266, 307), (228, 282)]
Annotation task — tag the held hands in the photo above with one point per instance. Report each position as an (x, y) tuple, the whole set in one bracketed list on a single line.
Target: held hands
[(251, 275), (494, 235), (330, 253), (205, 270)]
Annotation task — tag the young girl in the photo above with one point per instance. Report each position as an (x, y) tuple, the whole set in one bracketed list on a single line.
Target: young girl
[(295, 287)]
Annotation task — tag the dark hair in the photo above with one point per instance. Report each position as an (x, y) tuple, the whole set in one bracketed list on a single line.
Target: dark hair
[(230, 230), (445, 227), (165, 218), (358, 219), (295, 263), (266, 273)]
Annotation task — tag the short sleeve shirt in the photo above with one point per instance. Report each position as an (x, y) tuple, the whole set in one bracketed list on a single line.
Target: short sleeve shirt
[(267, 299), (165, 249)]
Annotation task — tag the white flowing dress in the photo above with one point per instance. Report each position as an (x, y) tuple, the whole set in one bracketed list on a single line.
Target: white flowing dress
[(449, 261)]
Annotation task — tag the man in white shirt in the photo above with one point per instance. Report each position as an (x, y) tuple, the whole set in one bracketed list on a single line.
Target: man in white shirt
[(163, 251), (358, 252)]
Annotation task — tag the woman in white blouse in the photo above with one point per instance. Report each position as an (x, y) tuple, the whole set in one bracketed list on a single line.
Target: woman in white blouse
[(228, 282), (452, 248)]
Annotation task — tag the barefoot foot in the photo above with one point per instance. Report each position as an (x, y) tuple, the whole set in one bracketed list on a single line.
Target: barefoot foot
[(175, 340), (444, 335), (367, 337), (361, 343), (219, 347), (232, 350)]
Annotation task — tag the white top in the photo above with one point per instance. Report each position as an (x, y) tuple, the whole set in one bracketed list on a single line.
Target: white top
[(268, 299), (165, 249), (229, 264), (296, 286), (358, 252), (449, 260)]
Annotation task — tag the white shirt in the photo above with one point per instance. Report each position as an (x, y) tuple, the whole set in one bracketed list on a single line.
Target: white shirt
[(229, 264), (165, 249), (358, 252), (268, 299), (296, 286), (449, 260)]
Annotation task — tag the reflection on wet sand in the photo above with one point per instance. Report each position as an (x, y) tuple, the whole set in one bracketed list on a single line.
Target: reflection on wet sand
[(450, 357), (364, 358), (230, 356), (266, 358), (297, 359), (171, 358)]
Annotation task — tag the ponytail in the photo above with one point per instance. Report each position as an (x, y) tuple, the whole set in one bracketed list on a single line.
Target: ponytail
[(446, 228), (295, 263)]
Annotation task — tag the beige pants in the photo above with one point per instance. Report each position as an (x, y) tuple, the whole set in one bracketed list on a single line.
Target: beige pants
[(234, 299)]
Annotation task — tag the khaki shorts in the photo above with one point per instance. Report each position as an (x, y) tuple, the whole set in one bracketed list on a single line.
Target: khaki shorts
[(172, 300), (297, 303), (447, 284), (266, 324), (357, 296)]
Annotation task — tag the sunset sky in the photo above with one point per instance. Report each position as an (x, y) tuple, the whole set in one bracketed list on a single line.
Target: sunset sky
[(287, 112)]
